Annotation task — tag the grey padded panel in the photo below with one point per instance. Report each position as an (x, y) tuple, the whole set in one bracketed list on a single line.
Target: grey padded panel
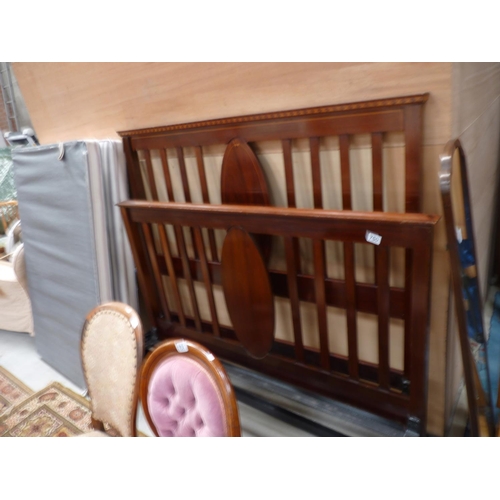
[(56, 213)]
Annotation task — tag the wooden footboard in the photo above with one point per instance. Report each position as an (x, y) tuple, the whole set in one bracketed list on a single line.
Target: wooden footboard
[(300, 293), (230, 304)]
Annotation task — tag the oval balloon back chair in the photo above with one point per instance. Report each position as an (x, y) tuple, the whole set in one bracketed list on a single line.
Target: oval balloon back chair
[(185, 391), (112, 352)]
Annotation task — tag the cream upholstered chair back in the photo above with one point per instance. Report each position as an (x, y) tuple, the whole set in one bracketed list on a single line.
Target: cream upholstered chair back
[(112, 352)]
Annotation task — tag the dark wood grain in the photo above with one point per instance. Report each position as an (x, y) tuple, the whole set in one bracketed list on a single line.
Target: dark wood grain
[(368, 372), (351, 306), (353, 118), (382, 273), (413, 157), (167, 255), (411, 231), (336, 291), (166, 175), (186, 189), (206, 278), (151, 177), (135, 183), (361, 107), (183, 172), (319, 287), (248, 293), (419, 311), (141, 260), (242, 178), (187, 275), (309, 127), (243, 183), (206, 199), (156, 272), (367, 396), (377, 168), (396, 229), (346, 172), (291, 267), (286, 145), (290, 193), (316, 172)]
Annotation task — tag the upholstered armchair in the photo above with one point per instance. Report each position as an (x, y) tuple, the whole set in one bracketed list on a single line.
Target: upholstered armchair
[(112, 352), (15, 304), (185, 391)]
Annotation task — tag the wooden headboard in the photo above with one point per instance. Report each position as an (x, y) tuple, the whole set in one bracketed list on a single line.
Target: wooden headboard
[(240, 269)]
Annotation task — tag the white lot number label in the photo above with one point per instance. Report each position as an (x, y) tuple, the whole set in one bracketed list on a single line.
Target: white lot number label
[(181, 346), (373, 238)]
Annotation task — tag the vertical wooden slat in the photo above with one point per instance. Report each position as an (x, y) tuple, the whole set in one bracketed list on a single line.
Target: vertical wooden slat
[(169, 186), (352, 327), (153, 259), (135, 182), (287, 157), (319, 258), (167, 254), (182, 168), (319, 288), (413, 167), (141, 264), (293, 293), (206, 278), (418, 318), (413, 157), (382, 272), (378, 179), (349, 262), (407, 369), (185, 187), (166, 175), (206, 199), (187, 275), (316, 172), (151, 177), (290, 192), (346, 172)]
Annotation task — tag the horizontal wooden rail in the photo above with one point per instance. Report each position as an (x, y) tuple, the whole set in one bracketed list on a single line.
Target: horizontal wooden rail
[(395, 229)]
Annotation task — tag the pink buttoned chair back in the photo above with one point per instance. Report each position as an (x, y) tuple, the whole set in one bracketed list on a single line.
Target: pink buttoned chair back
[(185, 392)]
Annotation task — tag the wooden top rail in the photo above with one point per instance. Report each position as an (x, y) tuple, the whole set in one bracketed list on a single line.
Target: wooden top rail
[(358, 117), (396, 229)]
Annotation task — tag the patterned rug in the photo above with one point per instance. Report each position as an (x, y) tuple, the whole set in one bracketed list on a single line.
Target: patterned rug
[(52, 412), (12, 391), (55, 411)]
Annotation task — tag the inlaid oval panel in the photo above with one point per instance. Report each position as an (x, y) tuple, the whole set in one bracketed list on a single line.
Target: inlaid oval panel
[(248, 293), (242, 178), (243, 183)]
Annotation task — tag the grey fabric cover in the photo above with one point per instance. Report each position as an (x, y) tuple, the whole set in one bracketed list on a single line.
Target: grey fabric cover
[(62, 206), (114, 189)]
